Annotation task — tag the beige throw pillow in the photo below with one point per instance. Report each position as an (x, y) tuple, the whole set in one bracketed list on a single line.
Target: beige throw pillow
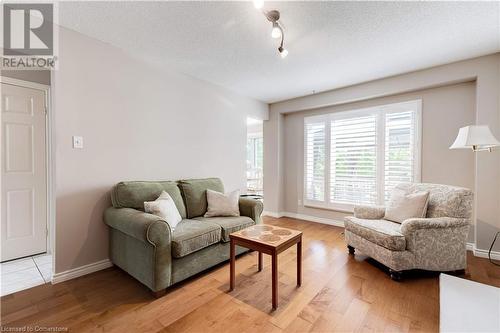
[(165, 208), (220, 204), (403, 206)]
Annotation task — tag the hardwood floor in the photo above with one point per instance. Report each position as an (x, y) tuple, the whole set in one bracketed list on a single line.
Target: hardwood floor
[(338, 293)]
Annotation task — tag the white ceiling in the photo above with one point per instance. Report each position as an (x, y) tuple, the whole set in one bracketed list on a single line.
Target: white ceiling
[(331, 44)]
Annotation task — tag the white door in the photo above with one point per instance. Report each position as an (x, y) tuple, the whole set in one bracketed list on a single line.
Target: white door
[(24, 176)]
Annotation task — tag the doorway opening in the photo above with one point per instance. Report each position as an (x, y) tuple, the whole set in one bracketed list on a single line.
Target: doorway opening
[(255, 158)]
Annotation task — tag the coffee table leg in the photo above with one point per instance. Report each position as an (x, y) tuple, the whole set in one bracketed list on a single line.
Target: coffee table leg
[(275, 280), (260, 261), (232, 268), (299, 263)]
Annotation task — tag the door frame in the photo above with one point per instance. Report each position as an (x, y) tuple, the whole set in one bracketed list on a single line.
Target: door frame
[(49, 154)]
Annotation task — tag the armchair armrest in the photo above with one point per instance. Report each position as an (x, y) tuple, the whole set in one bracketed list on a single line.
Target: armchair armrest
[(251, 208), (145, 227), (410, 225), (438, 244), (369, 212)]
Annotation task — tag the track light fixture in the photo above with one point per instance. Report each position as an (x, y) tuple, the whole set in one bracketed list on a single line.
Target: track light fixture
[(277, 31), (283, 52)]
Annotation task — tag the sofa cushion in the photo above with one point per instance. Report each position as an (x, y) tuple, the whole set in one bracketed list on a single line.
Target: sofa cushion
[(382, 232), (190, 236), (165, 208), (133, 194), (229, 224), (220, 204), (194, 192)]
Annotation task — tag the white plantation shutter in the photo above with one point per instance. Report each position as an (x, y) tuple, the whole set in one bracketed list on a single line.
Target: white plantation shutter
[(357, 157), (315, 153), (399, 149), (353, 158)]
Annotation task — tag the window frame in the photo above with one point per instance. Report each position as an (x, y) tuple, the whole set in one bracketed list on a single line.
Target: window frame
[(254, 137), (380, 111)]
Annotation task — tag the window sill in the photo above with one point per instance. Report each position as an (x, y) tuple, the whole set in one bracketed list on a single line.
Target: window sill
[(349, 210)]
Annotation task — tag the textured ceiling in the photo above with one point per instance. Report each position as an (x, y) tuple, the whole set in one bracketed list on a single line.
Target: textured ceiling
[(331, 44)]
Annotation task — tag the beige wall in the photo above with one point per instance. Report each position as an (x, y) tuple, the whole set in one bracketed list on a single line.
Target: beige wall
[(444, 110), (274, 196), (137, 123), (486, 73)]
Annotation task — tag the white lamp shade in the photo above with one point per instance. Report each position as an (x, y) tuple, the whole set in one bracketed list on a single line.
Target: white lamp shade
[(475, 137)]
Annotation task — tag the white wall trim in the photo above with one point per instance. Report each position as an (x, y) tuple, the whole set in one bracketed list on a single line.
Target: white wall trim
[(275, 215), (309, 218), (23, 83), (80, 271), (316, 219), (495, 255)]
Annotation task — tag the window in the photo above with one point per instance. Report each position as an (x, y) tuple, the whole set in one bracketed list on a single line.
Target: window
[(358, 156), (255, 152), (315, 161)]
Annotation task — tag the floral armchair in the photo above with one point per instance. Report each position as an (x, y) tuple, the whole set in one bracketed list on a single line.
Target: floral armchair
[(436, 242)]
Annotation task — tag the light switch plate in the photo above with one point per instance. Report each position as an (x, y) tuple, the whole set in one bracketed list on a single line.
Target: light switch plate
[(77, 142)]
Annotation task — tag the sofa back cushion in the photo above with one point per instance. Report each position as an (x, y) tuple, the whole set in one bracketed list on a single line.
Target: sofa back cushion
[(444, 200), (133, 194), (194, 192)]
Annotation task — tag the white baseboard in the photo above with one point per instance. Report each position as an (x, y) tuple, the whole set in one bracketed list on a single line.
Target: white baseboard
[(316, 219), (275, 215), (495, 255), (304, 217), (80, 271)]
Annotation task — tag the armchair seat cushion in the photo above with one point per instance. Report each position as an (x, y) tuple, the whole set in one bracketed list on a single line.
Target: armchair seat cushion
[(191, 235), (228, 224), (381, 232)]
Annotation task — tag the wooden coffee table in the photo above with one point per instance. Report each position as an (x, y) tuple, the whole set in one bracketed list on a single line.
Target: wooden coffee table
[(270, 240)]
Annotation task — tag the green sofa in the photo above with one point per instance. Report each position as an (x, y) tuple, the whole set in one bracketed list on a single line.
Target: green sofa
[(144, 245)]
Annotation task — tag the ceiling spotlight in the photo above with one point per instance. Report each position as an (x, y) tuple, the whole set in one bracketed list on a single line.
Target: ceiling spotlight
[(283, 52), (276, 32), (258, 4)]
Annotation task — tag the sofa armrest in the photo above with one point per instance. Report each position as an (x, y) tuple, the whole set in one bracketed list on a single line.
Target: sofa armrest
[(140, 245), (145, 227), (369, 212), (251, 208), (411, 225)]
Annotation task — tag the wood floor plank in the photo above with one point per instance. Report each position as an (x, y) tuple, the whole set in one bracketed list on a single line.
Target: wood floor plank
[(338, 293)]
